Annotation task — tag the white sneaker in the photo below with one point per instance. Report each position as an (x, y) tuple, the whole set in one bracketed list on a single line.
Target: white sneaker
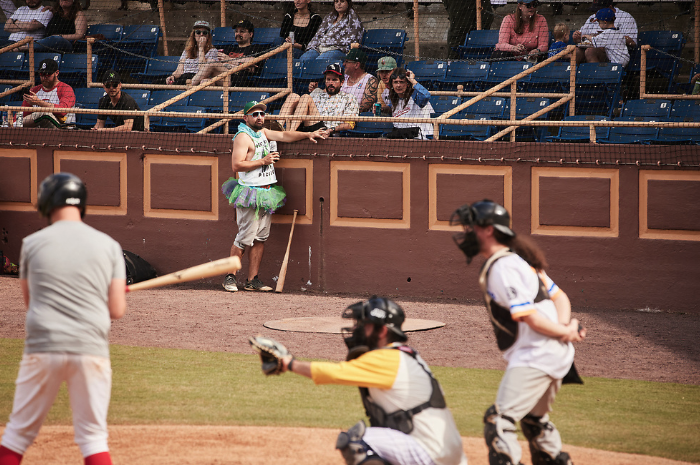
[(230, 283)]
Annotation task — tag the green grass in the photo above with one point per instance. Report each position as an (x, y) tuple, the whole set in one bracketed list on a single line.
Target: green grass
[(201, 388)]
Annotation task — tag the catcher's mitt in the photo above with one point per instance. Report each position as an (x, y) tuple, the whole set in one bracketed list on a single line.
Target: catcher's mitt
[(271, 354)]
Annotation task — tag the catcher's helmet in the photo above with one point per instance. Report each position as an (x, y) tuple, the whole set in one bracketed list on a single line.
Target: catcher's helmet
[(378, 311), (484, 213), (59, 190)]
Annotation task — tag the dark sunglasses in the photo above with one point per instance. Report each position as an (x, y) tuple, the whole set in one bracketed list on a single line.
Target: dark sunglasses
[(111, 85), (46, 74), (255, 114), (201, 32), (398, 76)]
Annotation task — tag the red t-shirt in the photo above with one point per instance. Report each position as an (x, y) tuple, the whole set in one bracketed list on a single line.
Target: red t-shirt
[(62, 96)]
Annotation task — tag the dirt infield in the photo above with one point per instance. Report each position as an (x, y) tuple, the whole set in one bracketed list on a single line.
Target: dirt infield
[(643, 345)]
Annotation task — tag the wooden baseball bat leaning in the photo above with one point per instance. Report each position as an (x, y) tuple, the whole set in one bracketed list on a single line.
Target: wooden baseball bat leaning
[(205, 270), (283, 270)]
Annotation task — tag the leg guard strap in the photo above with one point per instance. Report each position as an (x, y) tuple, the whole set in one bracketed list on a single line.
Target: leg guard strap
[(501, 439)]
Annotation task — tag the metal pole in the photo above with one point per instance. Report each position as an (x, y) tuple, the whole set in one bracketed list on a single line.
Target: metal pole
[(162, 27), (416, 34), (479, 11), (643, 71), (223, 13)]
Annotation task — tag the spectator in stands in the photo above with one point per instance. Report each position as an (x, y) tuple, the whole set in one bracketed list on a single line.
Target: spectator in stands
[(337, 32), (607, 46), (462, 17), (561, 37), (8, 7), (386, 66), (303, 22), (28, 21), (67, 25), (244, 53), (51, 93), (198, 51), (408, 99), (358, 83), (524, 33), (623, 21), (323, 103), (117, 100)]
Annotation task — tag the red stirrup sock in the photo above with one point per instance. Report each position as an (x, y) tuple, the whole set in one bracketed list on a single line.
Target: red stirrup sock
[(9, 457), (103, 458)]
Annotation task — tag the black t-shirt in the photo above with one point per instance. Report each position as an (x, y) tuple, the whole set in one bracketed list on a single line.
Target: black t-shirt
[(240, 79), (126, 102), (302, 35)]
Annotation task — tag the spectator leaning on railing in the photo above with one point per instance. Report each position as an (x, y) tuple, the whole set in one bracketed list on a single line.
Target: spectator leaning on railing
[(198, 51), (337, 32), (607, 46), (28, 21), (358, 83), (67, 25), (624, 22), (53, 94), (524, 32), (303, 22), (408, 99), (117, 100)]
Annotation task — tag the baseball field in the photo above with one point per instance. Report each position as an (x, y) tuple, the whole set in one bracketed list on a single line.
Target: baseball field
[(188, 389)]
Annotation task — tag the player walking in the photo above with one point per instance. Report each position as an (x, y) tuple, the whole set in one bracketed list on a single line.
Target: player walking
[(73, 279), (411, 424), (255, 193), (531, 317)]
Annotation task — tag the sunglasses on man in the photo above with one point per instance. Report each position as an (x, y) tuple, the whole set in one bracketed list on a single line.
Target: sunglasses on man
[(201, 32), (111, 85), (46, 74), (257, 114)]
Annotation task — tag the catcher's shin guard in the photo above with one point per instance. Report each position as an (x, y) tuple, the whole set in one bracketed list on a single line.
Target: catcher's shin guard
[(501, 439), (544, 440), (354, 450)]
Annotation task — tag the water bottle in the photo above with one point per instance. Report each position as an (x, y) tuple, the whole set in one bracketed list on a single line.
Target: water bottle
[(19, 120), (291, 36), (377, 109), (696, 89), (4, 119)]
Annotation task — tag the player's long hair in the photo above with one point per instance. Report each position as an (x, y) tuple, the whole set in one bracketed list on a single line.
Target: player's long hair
[(399, 73), (191, 47), (525, 247), (519, 24)]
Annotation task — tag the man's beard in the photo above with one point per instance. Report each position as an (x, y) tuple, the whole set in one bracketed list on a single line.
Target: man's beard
[(334, 91), (256, 126)]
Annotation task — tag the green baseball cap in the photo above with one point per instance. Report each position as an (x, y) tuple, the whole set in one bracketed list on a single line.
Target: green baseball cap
[(356, 55), (386, 64), (252, 105)]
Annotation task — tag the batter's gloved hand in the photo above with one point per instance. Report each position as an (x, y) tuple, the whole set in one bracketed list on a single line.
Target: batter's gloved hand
[(271, 354)]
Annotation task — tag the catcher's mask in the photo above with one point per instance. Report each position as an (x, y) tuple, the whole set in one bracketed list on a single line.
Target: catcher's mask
[(378, 311), (484, 213), (59, 190)]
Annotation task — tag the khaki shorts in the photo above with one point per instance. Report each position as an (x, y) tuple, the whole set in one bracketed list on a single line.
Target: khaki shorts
[(250, 228)]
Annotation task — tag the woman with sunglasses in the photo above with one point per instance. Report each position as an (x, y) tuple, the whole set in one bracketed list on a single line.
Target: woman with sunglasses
[(198, 52), (303, 22), (407, 98), (523, 34), (339, 29), (67, 25)]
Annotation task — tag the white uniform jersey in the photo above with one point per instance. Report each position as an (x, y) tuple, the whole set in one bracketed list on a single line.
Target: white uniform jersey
[(613, 41), (264, 175), (512, 284), (623, 21)]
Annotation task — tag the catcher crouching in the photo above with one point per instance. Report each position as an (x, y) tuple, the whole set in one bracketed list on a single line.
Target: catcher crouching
[(410, 421)]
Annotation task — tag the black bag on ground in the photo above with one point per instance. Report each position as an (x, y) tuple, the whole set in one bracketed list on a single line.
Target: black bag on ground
[(403, 133), (137, 269)]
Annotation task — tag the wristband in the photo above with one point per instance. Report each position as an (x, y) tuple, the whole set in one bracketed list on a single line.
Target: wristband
[(289, 365)]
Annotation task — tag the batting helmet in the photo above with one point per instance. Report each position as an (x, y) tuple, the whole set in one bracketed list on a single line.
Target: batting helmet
[(378, 311), (59, 190), (484, 213)]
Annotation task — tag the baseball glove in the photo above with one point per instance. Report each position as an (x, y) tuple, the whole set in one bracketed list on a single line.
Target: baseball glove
[(271, 354)]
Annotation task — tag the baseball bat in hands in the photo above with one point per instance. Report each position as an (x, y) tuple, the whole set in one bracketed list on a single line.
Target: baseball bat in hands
[(205, 270), (283, 270)]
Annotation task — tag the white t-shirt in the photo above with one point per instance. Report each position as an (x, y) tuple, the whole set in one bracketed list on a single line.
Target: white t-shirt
[(513, 284), (623, 21), (613, 41), (411, 110), (358, 90), (191, 65), (25, 13)]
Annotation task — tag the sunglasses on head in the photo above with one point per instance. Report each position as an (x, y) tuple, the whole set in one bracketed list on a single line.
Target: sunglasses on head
[(255, 114), (201, 32), (111, 85)]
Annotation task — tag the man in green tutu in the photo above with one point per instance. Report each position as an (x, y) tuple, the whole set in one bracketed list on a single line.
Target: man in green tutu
[(255, 193)]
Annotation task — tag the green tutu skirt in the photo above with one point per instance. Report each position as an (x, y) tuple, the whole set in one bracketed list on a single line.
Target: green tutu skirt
[(268, 199)]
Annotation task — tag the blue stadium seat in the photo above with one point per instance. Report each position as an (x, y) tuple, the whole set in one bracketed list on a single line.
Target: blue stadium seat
[(687, 87), (140, 96), (580, 134), (237, 100), (269, 36), (112, 34), (631, 134), (598, 88), (88, 96), (160, 96), (679, 135), (471, 75), (469, 132), (186, 124), (500, 71), (212, 100), (444, 103), (10, 64), (4, 36), (554, 77), (664, 43), (23, 73), (479, 45), (491, 107), (157, 69), (685, 109), (137, 45), (273, 74), (389, 41), (311, 71), (525, 107), (86, 120), (74, 69), (652, 108), (224, 38), (369, 129), (428, 74), (4, 100)]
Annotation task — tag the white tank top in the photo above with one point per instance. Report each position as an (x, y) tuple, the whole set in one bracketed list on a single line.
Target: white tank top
[(358, 90), (263, 175)]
